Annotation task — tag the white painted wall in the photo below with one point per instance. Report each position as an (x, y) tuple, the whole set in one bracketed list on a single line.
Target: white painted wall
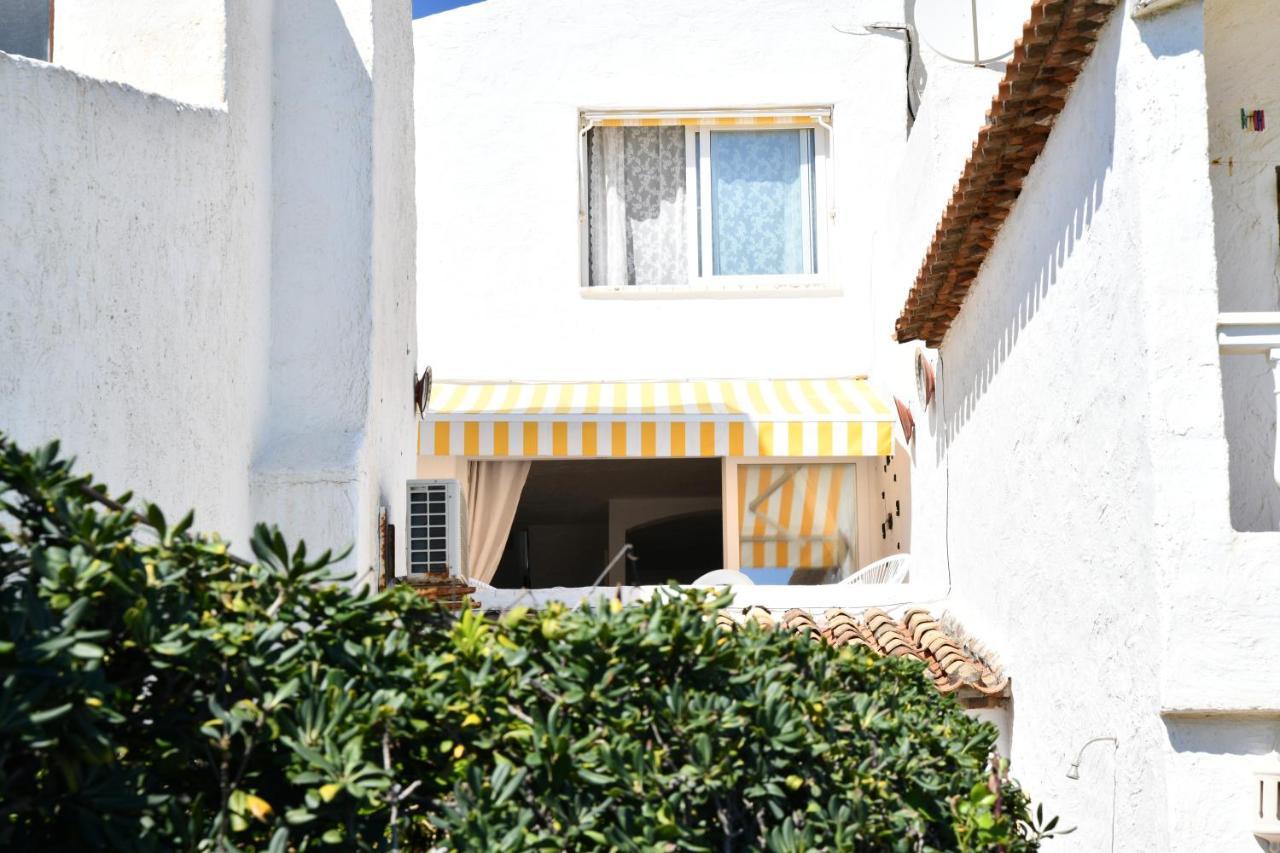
[(341, 426), (1001, 472), (393, 335), (214, 305), (1071, 481), (498, 88), (1214, 797), (132, 324), (888, 505), (174, 48), (1242, 66)]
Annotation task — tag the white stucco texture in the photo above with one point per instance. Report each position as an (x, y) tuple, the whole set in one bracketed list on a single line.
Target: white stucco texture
[(1070, 480), (1213, 797), (342, 299), (1242, 66), (131, 328), (214, 305), (175, 48), (499, 86)]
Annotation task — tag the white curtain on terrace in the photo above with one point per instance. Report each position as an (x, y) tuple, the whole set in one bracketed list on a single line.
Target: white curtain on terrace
[(636, 206), (493, 493)]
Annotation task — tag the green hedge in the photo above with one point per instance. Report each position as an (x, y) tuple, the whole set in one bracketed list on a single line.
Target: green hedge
[(160, 694)]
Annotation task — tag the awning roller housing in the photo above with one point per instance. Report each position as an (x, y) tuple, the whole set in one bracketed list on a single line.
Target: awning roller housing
[(658, 118)]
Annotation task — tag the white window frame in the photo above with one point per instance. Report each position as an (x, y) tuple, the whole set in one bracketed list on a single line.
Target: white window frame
[(698, 190)]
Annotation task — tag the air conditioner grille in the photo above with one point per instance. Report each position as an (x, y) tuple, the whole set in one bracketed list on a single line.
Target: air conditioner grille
[(429, 528)]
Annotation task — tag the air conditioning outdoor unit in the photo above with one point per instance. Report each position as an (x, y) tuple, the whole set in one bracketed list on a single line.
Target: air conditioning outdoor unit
[(434, 527)]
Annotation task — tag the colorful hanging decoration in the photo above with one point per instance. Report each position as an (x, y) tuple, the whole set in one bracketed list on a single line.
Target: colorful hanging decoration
[(1255, 121)]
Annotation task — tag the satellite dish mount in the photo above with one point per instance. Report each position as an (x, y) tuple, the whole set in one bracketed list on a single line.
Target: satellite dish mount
[(976, 32)]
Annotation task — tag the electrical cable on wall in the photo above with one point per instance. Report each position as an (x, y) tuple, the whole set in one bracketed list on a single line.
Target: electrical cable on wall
[(941, 391), (913, 93)]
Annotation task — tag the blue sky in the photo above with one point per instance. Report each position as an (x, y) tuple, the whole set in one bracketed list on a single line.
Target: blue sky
[(422, 8)]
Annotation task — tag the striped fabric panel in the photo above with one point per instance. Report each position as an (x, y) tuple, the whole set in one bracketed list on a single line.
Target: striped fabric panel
[(825, 418), (797, 516), (647, 439)]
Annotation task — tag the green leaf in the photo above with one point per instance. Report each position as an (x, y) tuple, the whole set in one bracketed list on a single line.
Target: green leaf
[(88, 651), (49, 714)]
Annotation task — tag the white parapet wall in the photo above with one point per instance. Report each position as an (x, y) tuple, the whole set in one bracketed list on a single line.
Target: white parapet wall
[(340, 428), (175, 48), (132, 324), (815, 600), (208, 259)]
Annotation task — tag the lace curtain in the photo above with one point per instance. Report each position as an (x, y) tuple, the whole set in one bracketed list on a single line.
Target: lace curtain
[(636, 206), (758, 203)]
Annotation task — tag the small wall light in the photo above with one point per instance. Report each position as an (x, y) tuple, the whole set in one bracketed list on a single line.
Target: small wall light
[(1266, 790)]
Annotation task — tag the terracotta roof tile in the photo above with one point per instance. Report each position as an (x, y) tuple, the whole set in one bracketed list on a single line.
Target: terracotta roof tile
[(1056, 42), (956, 666)]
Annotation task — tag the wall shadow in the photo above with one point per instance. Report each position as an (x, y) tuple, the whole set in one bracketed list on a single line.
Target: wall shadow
[(1065, 189), (322, 143)]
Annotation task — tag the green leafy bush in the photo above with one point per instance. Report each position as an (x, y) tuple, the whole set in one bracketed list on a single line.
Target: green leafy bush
[(158, 693)]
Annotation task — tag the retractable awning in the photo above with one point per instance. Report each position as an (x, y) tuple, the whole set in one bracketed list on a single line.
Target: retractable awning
[(659, 118), (785, 417)]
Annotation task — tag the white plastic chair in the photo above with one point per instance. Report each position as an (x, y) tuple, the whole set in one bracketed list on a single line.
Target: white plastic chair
[(894, 569), (724, 577)]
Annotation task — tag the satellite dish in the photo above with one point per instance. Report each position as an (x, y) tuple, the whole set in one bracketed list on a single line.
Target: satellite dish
[(974, 32)]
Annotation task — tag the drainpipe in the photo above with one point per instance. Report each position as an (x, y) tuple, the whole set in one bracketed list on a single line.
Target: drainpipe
[(1255, 333)]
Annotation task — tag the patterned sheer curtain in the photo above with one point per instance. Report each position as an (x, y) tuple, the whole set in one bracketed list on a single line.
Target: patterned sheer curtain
[(636, 206), (761, 210)]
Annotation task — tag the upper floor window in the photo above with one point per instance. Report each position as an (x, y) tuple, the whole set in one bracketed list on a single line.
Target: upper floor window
[(708, 200)]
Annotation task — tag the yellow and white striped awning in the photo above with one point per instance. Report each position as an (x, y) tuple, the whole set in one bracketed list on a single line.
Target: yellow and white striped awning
[(799, 516), (661, 118), (785, 417)]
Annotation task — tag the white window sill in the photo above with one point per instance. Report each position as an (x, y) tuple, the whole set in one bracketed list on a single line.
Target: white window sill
[(764, 290)]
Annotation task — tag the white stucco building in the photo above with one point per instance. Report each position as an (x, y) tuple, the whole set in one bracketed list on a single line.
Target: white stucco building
[(1080, 385), (662, 240), (677, 269), (206, 243), (1089, 489)]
